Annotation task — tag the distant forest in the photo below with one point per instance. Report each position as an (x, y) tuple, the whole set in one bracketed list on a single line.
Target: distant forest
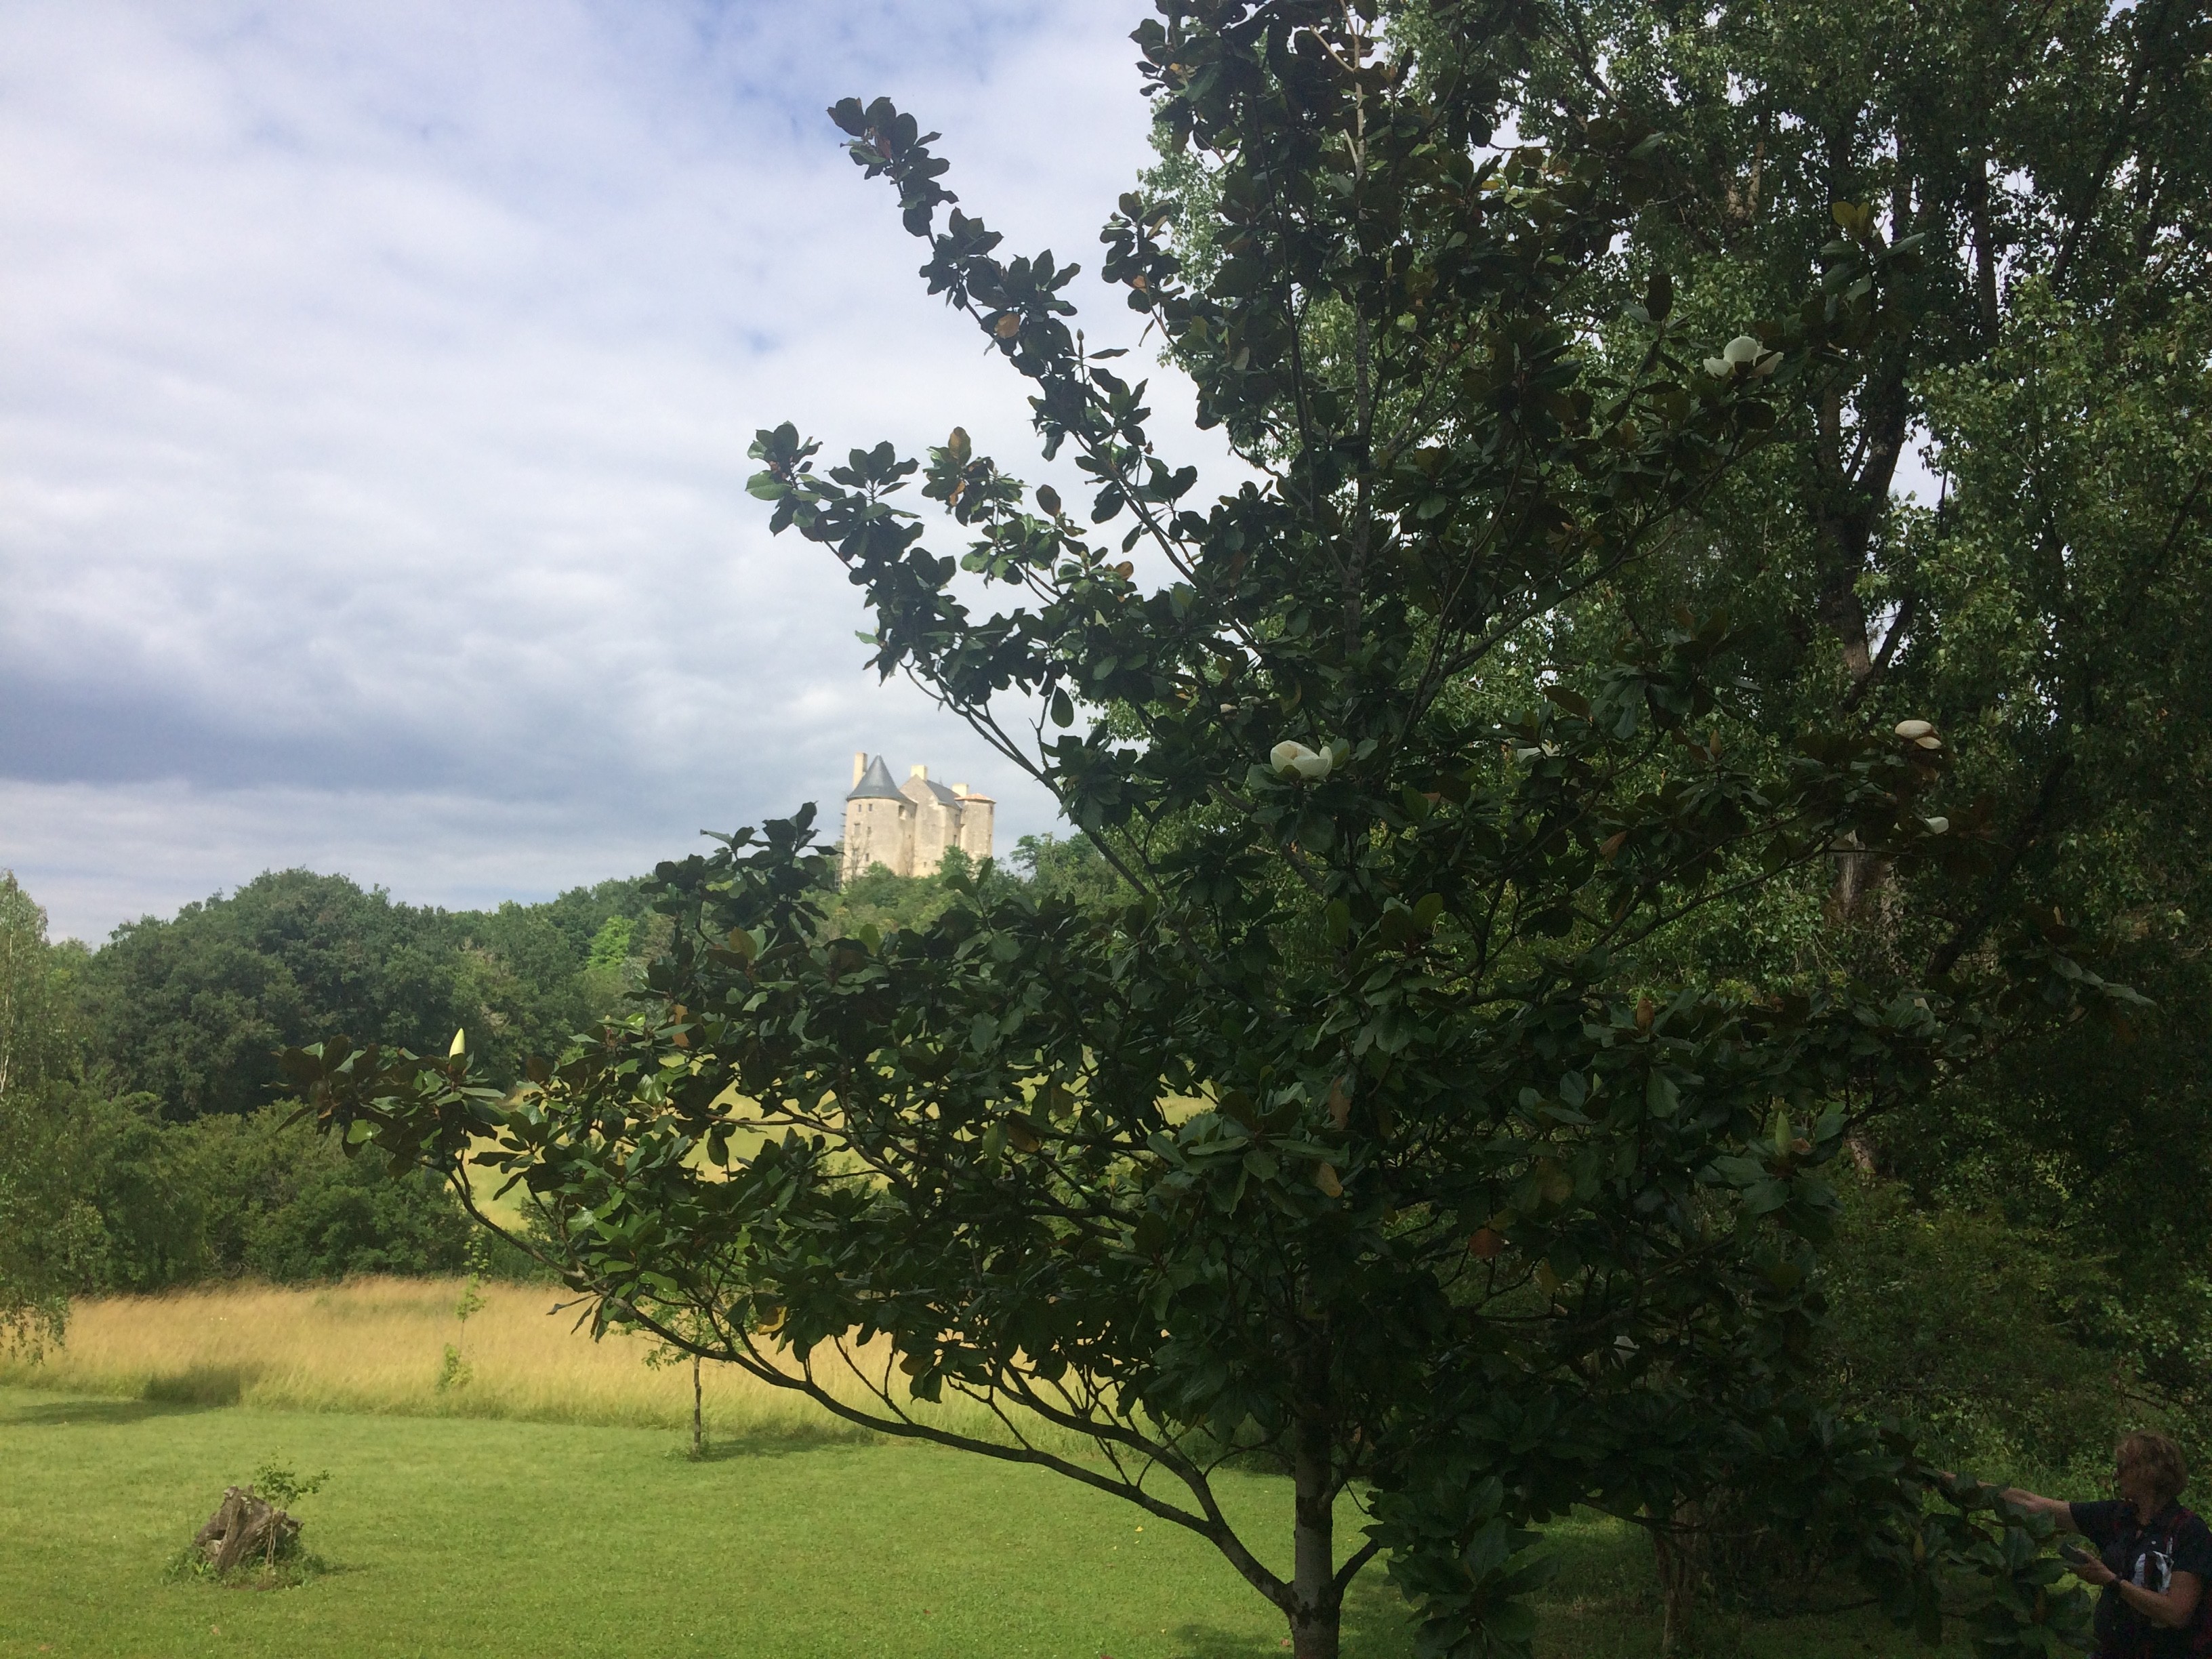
[(189, 1009), (144, 1140)]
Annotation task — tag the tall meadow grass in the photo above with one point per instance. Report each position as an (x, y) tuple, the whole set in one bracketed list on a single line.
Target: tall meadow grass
[(380, 1345)]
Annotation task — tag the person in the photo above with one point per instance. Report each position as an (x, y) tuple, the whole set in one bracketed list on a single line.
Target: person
[(2153, 1556)]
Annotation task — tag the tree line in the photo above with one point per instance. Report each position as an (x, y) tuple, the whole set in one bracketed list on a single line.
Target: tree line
[(146, 1140), (143, 1142)]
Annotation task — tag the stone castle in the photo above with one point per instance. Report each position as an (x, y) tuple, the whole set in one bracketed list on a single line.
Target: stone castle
[(907, 829)]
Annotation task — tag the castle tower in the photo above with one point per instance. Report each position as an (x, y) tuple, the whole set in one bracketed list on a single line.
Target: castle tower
[(975, 812), (878, 822), (908, 829)]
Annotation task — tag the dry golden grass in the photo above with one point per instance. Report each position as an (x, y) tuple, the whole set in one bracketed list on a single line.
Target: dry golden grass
[(378, 1344)]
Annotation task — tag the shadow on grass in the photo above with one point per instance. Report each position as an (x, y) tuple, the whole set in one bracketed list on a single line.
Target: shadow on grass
[(1203, 1642), (1377, 1626), (88, 1413), (1600, 1606), (736, 1447), (195, 1389), (1377, 1623), (189, 1572), (200, 1385)]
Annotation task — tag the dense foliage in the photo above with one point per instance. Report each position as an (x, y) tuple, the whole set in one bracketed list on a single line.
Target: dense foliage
[(168, 1204), (2052, 349), (43, 1224), (2049, 352), (142, 1143), (1997, 1341), (192, 1010), (1043, 865)]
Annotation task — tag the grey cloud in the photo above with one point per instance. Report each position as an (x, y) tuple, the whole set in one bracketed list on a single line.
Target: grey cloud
[(374, 386)]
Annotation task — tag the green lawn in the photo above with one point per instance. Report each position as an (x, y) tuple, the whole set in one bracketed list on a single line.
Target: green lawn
[(515, 1539)]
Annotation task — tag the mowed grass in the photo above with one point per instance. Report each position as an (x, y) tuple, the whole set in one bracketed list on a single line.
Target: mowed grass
[(545, 1508), (447, 1536), (450, 1536)]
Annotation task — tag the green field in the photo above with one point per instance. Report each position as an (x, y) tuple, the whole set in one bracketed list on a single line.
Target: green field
[(491, 1538)]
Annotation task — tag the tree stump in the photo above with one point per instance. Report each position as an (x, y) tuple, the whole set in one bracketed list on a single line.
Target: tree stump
[(242, 1527)]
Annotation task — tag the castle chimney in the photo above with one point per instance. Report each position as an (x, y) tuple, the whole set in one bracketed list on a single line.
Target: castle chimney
[(960, 789), (859, 765), (921, 772)]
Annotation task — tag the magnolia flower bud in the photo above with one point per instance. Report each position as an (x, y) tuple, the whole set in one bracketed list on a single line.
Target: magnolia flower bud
[(1937, 826), (1910, 729), (1288, 757)]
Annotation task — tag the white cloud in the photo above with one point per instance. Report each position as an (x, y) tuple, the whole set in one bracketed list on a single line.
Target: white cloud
[(374, 387)]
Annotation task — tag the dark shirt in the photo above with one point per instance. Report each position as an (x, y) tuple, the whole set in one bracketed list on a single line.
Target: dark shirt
[(2148, 1553)]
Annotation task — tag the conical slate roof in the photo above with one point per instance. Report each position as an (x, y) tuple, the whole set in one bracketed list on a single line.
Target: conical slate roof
[(875, 781)]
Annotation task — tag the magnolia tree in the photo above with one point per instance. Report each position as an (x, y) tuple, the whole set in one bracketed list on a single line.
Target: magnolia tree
[(1358, 1133)]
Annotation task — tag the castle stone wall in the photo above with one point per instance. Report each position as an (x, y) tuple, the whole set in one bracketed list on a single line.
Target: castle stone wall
[(877, 831), (908, 828), (975, 827)]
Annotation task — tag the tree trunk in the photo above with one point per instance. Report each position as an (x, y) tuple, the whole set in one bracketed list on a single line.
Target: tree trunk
[(1317, 1605), (1985, 253), (1861, 878), (1675, 1553), (698, 1432)]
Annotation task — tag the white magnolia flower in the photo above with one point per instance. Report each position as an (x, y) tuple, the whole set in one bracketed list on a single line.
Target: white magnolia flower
[(1910, 729), (1744, 352), (1937, 826), (1288, 757)]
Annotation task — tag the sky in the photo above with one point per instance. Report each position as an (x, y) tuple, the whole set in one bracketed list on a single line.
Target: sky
[(376, 383)]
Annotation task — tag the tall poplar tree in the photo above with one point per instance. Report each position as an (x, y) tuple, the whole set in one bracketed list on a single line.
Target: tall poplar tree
[(2049, 362)]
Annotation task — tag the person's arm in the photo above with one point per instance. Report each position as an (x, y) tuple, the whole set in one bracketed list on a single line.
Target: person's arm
[(2059, 1511), (2171, 1610)]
